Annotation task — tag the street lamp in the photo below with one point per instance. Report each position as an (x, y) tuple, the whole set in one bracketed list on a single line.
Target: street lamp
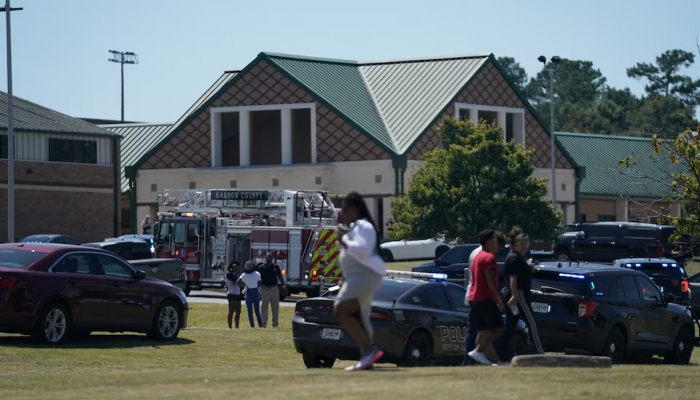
[(122, 57), (10, 131), (555, 60)]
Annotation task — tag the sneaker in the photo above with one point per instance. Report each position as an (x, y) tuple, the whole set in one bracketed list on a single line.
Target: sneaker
[(370, 358), (355, 367), (480, 358)]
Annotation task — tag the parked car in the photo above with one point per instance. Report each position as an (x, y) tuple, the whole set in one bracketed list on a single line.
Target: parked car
[(609, 241), (415, 322), (147, 238), (53, 292), (49, 238), (609, 311), (694, 282), (138, 253), (577, 227), (668, 275), (409, 250)]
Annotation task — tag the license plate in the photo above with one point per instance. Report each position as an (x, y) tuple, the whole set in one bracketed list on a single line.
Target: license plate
[(540, 308), (331, 334)]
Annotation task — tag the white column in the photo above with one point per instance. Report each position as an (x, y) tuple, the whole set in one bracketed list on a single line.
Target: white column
[(244, 138), (621, 207), (519, 128), (501, 121), (313, 136), (286, 135), (474, 116), (216, 139)]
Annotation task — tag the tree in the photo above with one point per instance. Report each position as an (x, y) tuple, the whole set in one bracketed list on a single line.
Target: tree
[(664, 116), (515, 72), (664, 77), (474, 182)]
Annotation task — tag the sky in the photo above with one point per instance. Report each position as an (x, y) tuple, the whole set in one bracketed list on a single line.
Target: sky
[(60, 48)]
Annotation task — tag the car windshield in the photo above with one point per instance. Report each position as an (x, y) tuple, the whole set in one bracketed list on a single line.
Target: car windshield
[(657, 269), (560, 282), (37, 239), (389, 291), (19, 258)]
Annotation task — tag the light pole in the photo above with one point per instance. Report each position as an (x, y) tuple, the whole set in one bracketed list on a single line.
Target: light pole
[(10, 131), (555, 60), (123, 58)]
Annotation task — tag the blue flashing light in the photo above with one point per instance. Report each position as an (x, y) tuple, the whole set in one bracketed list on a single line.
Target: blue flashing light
[(628, 265), (592, 285), (440, 277), (674, 265), (638, 265), (664, 265), (682, 271), (576, 276)]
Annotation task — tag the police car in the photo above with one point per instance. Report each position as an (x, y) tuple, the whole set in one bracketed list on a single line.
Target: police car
[(417, 322)]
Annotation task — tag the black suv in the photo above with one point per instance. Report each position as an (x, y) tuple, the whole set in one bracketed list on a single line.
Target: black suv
[(609, 311), (668, 275), (130, 250), (609, 241)]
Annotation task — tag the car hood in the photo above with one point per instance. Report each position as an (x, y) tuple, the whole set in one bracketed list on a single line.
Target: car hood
[(427, 267)]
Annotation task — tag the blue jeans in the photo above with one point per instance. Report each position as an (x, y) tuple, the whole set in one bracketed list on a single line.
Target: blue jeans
[(252, 302)]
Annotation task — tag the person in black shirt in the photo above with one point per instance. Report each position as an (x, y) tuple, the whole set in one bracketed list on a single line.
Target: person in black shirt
[(270, 274), (518, 273)]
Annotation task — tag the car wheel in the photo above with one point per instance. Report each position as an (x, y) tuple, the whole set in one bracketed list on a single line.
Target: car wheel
[(682, 348), (387, 255), (314, 361), (440, 251), (615, 346), (418, 351), (519, 344), (562, 255), (167, 321), (54, 324)]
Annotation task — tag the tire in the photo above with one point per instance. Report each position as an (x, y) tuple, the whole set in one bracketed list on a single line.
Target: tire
[(440, 251), (167, 321), (387, 255), (615, 346), (562, 255), (314, 361), (682, 348), (418, 351), (519, 343), (54, 325)]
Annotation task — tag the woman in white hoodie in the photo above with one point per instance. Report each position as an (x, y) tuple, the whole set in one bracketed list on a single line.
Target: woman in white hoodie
[(363, 271)]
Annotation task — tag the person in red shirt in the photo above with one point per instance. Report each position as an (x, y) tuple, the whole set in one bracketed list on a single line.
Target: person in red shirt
[(484, 298)]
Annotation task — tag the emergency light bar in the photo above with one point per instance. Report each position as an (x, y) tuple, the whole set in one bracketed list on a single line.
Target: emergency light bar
[(435, 277)]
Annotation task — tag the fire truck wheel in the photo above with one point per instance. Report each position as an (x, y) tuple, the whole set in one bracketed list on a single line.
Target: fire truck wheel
[(167, 321)]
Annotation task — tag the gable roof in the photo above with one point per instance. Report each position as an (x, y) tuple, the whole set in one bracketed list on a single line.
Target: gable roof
[(137, 140), (599, 155), (31, 117), (392, 101)]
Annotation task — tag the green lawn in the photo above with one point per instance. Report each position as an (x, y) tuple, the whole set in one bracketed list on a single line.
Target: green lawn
[(219, 363)]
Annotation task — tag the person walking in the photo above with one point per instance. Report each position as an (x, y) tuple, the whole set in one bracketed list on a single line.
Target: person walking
[(233, 294), (518, 283), (363, 270), (484, 296), (472, 331), (271, 275), (251, 280)]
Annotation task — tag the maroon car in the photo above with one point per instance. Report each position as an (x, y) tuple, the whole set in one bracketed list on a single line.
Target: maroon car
[(53, 291)]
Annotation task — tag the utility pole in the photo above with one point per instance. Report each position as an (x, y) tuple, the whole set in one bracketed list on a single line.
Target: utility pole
[(123, 58), (10, 131), (553, 145)]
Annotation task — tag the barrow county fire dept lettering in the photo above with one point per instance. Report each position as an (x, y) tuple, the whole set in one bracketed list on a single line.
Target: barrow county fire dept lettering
[(452, 337), (238, 195)]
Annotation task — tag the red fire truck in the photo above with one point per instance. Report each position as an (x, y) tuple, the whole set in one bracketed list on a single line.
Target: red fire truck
[(210, 229)]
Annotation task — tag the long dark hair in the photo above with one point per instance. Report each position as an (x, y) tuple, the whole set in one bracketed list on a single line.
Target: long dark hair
[(354, 199)]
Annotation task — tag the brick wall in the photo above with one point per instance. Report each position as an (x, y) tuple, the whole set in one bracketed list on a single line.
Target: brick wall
[(60, 174)]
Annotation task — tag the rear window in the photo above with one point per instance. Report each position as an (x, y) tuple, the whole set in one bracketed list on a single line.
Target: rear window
[(391, 290), (18, 258), (560, 282), (657, 269)]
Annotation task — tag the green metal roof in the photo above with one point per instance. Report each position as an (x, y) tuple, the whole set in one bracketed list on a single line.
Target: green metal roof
[(599, 155), (30, 117), (392, 101), (137, 140)]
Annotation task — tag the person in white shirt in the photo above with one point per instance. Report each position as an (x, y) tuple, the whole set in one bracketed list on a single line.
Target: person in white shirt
[(252, 281), (363, 271)]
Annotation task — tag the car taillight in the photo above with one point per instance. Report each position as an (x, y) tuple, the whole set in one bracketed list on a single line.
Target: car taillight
[(380, 316), (660, 250), (7, 282), (685, 287), (586, 308), (302, 309), (313, 275)]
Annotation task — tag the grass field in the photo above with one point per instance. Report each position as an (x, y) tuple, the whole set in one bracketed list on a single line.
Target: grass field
[(215, 362)]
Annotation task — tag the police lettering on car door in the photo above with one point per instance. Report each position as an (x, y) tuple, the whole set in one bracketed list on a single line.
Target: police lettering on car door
[(452, 337)]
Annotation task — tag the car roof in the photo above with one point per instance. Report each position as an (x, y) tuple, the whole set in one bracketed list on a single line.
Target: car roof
[(579, 268), (113, 242), (633, 225), (40, 247), (646, 260)]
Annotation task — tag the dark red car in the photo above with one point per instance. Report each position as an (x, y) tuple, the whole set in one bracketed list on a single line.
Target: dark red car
[(53, 291)]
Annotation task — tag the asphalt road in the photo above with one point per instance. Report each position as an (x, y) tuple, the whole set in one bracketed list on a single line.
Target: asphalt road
[(219, 297)]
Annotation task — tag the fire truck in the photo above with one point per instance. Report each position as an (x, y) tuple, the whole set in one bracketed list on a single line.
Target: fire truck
[(210, 229)]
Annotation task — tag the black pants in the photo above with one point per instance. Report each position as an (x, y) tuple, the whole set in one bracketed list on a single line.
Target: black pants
[(504, 344)]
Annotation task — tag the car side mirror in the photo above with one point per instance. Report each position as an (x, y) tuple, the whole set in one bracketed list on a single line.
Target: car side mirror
[(581, 235), (140, 274)]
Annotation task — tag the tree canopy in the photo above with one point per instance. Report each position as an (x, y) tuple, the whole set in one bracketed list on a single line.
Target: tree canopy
[(474, 182)]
